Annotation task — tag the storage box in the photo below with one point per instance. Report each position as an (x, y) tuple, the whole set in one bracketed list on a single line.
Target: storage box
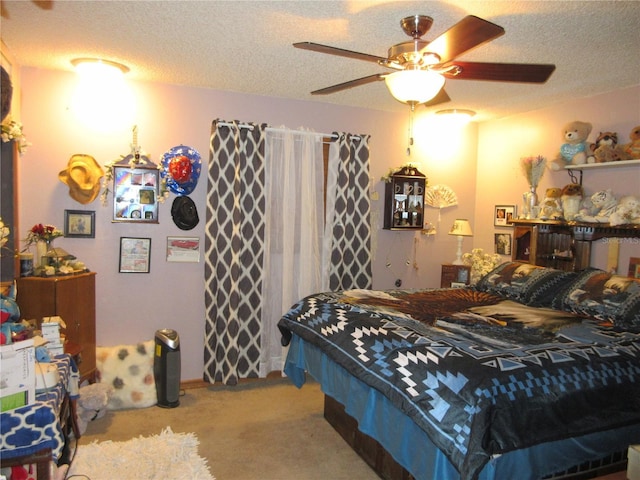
[(633, 466), (17, 375)]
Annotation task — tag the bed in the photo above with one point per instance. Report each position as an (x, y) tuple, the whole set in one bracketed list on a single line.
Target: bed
[(531, 372)]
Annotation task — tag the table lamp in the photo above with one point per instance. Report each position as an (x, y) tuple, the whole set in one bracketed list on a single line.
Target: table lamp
[(461, 229)]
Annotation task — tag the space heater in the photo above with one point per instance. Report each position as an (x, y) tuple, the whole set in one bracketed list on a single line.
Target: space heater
[(166, 368)]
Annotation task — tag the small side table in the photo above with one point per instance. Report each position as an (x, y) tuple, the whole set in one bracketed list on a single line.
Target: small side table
[(455, 275)]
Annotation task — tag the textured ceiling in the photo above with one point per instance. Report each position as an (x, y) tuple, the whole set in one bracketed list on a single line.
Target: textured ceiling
[(245, 46)]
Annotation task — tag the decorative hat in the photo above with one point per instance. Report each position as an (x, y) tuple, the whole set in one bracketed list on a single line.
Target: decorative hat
[(184, 213), (181, 169), (82, 175)]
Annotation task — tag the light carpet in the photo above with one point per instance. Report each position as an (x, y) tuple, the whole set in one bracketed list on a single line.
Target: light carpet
[(159, 457)]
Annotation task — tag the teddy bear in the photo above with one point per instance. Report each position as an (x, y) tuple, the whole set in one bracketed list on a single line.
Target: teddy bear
[(576, 150), (627, 211), (604, 204), (632, 149), (606, 148), (9, 317), (92, 403), (571, 200), (551, 207)]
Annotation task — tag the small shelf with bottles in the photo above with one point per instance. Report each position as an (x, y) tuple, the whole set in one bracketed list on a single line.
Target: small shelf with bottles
[(404, 200)]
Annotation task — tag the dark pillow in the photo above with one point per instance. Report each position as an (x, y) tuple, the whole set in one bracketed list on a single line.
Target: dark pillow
[(525, 283), (604, 296)]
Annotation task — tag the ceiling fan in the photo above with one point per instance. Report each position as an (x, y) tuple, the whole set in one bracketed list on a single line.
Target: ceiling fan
[(422, 66)]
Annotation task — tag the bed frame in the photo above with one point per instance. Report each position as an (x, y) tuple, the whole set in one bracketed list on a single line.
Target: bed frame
[(387, 468)]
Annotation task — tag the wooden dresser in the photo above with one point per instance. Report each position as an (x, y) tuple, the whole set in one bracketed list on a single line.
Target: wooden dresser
[(73, 298)]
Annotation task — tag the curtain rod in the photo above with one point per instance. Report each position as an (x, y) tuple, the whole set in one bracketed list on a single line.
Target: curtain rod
[(274, 129)]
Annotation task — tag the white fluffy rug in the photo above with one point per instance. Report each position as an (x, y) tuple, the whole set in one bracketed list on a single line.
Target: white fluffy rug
[(160, 457)]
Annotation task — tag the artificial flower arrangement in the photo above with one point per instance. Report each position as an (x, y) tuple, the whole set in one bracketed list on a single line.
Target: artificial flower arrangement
[(40, 232), (533, 169), (12, 130), (481, 263), (392, 171), (4, 236)]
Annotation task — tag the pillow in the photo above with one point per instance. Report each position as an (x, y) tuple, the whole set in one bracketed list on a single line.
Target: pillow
[(129, 370), (604, 296), (531, 285)]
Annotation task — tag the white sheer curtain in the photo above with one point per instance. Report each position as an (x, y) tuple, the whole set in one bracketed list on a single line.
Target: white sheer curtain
[(294, 227)]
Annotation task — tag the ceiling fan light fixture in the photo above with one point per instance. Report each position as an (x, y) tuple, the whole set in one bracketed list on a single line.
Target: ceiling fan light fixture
[(414, 86)]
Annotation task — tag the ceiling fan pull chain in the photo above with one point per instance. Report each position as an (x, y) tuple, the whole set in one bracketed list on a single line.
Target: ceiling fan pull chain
[(410, 132)]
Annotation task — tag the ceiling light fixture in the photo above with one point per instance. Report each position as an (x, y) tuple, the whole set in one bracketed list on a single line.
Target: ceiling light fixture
[(457, 115), (102, 99), (82, 64), (414, 86)]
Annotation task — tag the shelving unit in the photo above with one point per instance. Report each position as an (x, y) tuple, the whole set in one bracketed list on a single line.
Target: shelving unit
[(404, 200), (564, 245), (595, 166)]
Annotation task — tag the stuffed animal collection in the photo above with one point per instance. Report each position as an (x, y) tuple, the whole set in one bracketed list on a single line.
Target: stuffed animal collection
[(577, 150), (603, 203), (606, 148), (571, 200)]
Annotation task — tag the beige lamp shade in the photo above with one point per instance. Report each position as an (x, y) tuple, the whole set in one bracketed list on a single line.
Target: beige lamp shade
[(461, 227)]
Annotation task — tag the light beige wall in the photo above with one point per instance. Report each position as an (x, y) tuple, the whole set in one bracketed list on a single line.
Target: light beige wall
[(502, 143)]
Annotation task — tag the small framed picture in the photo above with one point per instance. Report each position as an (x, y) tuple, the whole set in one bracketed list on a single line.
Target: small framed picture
[(503, 243), (135, 255), (634, 267), (183, 249), (504, 215), (79, 223)]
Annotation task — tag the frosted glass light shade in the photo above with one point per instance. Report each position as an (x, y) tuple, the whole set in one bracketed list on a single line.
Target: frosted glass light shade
[(414, 86)]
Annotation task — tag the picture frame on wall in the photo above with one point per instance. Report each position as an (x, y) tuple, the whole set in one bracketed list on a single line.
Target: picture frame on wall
[(135, 194), (502, 243), (79, 224), (135, 255), (634, 267), (504, 215), (183, 249)]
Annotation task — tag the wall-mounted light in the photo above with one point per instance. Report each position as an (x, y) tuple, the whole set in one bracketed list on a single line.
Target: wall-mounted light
[(414, 86), (102, 99), (461, 228)]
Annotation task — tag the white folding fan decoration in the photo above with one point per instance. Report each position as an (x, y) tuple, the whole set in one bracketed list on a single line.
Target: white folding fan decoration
[(440, 196)]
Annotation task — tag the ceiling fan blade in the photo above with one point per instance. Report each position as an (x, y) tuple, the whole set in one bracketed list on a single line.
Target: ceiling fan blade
[(316, 47), (465, 35), (503, 72), (441, 97), (350, 84)]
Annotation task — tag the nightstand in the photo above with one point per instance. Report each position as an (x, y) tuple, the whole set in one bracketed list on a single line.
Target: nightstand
[(455, 275)]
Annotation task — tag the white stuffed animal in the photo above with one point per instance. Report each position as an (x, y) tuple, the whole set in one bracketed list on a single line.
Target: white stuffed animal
[(604, 204), (92, 403), (627, 211)]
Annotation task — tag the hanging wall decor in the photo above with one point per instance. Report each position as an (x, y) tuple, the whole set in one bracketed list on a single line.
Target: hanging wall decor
[(137, 187)]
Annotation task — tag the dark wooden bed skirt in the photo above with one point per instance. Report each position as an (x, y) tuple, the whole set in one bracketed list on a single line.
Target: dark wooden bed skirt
[(387, 468), (369, 449)]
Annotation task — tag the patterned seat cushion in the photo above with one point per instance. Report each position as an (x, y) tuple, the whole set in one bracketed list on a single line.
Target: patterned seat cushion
[(525, 283), (129, 370), (604, 296)]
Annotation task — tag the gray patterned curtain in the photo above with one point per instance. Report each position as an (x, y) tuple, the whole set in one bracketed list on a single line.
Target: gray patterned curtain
[(234, 249), (348, 223)]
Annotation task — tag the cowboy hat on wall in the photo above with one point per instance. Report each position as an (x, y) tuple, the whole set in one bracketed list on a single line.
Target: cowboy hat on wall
[(82, 176)]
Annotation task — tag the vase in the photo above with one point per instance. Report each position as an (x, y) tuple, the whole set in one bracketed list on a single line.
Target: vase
[(42, 247), (531, 203)]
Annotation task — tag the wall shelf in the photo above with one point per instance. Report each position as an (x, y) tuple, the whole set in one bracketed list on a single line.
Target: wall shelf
[(596, 166)]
